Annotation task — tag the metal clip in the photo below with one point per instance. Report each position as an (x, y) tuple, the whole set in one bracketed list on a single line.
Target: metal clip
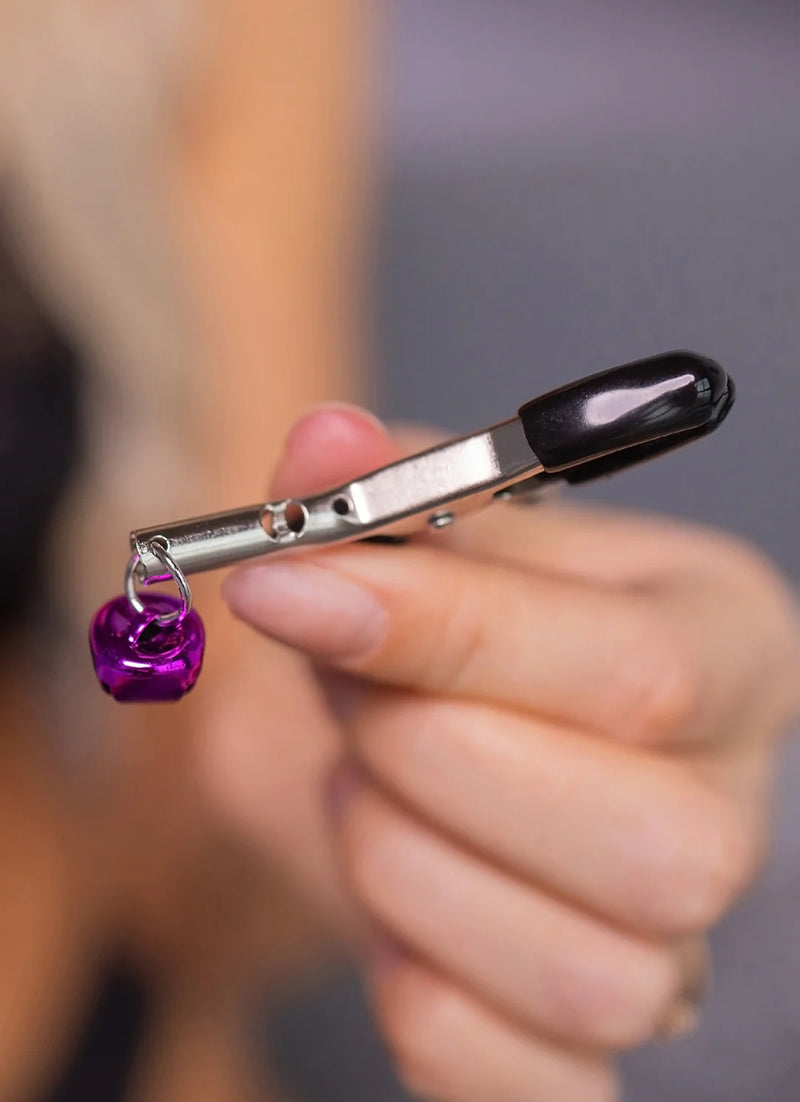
[(428, 488), (590, 428)]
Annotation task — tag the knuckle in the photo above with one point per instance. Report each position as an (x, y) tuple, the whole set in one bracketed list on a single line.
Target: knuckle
[(776, 615), (700, 549), (696, 864), (742, 562), (654, 688), (614, 1001), (739, 571)]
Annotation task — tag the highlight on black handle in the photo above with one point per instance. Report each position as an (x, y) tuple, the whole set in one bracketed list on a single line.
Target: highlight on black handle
[(620, 417)]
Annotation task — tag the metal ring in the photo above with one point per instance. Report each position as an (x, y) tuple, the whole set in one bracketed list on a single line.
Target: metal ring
[(179, 578)]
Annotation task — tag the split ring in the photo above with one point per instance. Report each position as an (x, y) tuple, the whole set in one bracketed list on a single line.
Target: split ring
[(156, 548)]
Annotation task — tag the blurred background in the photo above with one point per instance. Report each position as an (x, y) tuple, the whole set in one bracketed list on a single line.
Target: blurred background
[(445, 207)]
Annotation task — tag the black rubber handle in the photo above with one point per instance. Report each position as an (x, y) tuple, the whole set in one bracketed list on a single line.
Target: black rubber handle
[(620, 417)]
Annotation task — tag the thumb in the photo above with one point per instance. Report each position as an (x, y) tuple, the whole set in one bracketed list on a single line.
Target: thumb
[(329, 445)]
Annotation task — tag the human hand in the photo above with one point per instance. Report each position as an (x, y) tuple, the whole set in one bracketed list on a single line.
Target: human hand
[(559, 752)]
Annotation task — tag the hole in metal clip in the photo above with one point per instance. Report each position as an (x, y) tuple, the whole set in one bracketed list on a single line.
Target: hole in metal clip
[(341, 506), (285, 520), (295, 516)]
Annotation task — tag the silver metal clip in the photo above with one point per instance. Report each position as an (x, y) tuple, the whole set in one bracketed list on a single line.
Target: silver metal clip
[(429, 488), (587, 429)]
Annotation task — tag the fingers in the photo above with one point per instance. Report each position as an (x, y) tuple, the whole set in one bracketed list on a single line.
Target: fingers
[(448, 1047), (604, 546), (422, 618), (630, 835), (336, 442), (537, 960), (657, 666), (635, 663)]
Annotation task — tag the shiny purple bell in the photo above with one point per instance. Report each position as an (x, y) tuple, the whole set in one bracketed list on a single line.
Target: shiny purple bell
[(138, 656)]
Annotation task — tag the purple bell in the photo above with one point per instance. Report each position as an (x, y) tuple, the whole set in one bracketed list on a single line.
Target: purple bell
[(138, 657)]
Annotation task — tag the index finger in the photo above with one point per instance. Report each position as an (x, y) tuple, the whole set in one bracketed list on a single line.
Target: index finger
[(422, 618), (634, 662)]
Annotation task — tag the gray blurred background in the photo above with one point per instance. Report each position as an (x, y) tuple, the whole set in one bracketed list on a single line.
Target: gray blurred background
[(569, 185)]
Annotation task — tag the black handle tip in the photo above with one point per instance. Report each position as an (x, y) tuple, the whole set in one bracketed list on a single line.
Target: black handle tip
[(633, 412)]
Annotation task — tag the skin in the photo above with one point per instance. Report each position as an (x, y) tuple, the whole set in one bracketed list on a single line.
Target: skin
[(250, 215), (555, 746)]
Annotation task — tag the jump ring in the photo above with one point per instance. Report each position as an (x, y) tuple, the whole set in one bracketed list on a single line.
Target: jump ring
[(157, 549)]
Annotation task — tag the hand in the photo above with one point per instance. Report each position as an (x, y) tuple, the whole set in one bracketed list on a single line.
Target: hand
[(558, 760)]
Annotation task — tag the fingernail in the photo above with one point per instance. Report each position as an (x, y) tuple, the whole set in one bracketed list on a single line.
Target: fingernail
[(307, 606)]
